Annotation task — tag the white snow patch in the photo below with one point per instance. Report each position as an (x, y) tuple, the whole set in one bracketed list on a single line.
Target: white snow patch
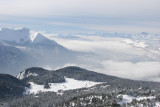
[(55, 87), (31, 74), (60, 93), (144, 98), (139, 88), (119, 95), (21, 75), (129, 98), (105, 86), (33, 35)]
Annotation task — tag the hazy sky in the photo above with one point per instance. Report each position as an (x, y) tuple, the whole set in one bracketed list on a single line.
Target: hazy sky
[(82, 15)]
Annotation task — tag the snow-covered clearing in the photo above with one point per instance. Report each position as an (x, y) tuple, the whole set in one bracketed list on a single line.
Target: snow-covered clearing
[(54, 87)]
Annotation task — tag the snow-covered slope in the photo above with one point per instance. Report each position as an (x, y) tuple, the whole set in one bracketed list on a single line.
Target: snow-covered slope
[(23, 35), (22, 75), (34, 71), (15, 35), (55, 87), (13, 59)]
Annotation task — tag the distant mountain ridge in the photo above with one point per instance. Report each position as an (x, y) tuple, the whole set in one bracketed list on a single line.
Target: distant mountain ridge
[(29, 48), (22, 35)]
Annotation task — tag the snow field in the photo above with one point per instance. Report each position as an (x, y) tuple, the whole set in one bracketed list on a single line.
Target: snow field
[(55, 87)]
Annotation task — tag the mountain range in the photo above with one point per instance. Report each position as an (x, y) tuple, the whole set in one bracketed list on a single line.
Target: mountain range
[(35, 86), (22, 48)]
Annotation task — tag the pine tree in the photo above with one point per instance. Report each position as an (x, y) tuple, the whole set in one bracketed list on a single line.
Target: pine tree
[(46, 85)]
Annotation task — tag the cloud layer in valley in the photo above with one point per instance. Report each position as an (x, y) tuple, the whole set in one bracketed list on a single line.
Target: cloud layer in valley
[(123, 57)]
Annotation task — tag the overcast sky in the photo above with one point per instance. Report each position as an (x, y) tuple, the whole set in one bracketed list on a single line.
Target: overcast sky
[(82, 15)]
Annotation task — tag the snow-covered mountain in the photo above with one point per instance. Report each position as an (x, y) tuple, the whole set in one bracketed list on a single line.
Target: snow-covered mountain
[(15, 35), (13, 59), (29, 48), (23, 36)]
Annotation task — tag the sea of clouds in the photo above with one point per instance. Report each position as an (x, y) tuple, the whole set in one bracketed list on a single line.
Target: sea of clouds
[(135, 57)]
